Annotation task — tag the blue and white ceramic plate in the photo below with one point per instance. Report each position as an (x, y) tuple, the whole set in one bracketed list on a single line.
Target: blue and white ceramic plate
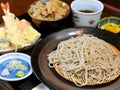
[(10, 74)]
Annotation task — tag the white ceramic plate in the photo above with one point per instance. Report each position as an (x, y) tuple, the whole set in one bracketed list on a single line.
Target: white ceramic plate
[(6, 58)]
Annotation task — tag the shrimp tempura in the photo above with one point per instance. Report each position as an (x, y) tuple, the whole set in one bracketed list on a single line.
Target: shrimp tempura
[(17, 30)]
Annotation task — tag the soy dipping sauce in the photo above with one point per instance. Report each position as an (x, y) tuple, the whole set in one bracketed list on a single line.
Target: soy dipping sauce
[(86, 11)]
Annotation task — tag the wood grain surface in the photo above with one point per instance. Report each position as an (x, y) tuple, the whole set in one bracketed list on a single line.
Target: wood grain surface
[(19, 7), (4, 85)]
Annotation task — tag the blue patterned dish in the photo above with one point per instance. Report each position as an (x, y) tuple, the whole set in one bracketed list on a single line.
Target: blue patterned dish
[(10, 74)]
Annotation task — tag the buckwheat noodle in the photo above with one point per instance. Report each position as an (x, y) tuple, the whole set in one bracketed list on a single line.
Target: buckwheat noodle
[(86, 60)]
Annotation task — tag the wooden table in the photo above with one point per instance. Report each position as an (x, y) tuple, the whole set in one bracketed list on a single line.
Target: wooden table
[(19, 7), (4, 85)]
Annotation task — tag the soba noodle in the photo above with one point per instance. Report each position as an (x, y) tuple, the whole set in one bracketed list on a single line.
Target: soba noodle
[(86, 60)]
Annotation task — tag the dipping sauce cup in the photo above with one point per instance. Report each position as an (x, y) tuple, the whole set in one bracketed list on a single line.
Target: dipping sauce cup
[(86, 13)]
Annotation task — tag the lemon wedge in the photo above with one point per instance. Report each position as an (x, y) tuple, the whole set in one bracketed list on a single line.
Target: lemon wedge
[(115, 28)]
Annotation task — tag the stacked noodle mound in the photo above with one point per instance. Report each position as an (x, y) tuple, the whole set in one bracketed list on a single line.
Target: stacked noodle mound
[(86, 60)]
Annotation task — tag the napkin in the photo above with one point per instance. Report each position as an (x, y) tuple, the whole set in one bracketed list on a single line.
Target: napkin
[(41, 86)]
